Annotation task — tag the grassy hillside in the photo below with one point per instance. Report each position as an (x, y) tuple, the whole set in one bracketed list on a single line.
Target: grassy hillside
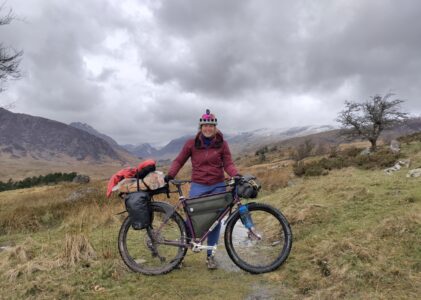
[(18, 169), (357, 235)]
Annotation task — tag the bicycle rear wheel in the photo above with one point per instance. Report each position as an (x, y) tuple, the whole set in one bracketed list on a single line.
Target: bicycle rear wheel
[(256, 255), (142, 255)]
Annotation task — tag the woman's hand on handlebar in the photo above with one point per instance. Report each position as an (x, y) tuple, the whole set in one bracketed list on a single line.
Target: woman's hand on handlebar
[(234, 179), (167, 178)]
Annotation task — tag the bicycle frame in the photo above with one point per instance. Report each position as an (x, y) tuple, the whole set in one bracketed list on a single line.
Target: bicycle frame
[(195, 242)]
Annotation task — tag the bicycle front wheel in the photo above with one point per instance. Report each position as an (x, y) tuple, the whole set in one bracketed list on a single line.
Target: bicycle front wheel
[(264, 249), (147, 255)]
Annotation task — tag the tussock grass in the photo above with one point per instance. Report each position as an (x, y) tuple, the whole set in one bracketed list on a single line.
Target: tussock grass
[(78, 248), (21, 261), (273, 175), (35, 209)]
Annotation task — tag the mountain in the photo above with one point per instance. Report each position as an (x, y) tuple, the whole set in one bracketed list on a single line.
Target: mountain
[(251, 140), (239, 142), (93, 131), (32, 146), (332, 137), (167, 152), (277, 134), (123, 153), (173, 147), (143, 150), (28, 136)]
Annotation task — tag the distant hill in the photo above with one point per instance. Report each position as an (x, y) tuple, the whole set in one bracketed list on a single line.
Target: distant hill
[(251, 140), (93, 131), (24, 135), (143, 150), (239, 142), (173, 147), (32, 145), (124, 154), (333, 136), (167, 152)]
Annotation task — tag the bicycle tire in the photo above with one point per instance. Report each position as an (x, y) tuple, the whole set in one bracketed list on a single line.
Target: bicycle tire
[(259, 256), (135, 246)]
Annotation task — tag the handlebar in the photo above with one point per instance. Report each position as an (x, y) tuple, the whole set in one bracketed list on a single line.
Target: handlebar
[(232, 181), (179, 182)]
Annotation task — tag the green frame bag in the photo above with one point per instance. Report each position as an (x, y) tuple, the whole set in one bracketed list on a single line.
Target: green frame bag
[(205, 210)]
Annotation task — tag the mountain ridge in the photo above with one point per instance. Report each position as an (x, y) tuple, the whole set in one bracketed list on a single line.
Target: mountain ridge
[(40, 138)]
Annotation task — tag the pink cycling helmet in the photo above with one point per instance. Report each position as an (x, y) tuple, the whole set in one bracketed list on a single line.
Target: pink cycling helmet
[(208, 118)]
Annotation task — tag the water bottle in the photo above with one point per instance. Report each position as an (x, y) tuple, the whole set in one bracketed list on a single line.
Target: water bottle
[(245, 217)]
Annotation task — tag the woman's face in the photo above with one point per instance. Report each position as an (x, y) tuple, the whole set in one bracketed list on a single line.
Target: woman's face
[(208, 130)]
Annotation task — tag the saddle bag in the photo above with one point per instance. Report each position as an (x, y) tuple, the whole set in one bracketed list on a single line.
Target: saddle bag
[(205, 210), (138, 205)]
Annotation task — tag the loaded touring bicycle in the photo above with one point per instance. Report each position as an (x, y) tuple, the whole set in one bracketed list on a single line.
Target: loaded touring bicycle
[(154, 237)]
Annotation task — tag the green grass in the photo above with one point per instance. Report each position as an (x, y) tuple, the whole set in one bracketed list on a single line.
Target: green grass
[(357, 235), (363, 226)]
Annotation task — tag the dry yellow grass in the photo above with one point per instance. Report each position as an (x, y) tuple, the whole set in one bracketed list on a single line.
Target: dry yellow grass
[(18, 169), (77, 248)]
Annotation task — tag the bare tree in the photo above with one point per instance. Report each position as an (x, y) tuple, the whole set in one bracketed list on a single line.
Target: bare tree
[(303, 150), (9, 57), (370, 118)]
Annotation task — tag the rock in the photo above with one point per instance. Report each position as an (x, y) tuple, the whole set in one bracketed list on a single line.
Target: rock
[(365, 152), (414, 173), (405, 162), (81, 179), (398, 165), (395, 146), (5, 248), (291, 183), (80, 194), (395, 168)]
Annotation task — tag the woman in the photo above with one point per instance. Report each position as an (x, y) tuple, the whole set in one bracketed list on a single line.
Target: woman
[(210, 156)]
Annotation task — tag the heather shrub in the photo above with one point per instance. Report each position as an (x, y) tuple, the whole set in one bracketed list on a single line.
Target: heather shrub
[(351, 152), (299, 168), (383, 158), (315, 170)]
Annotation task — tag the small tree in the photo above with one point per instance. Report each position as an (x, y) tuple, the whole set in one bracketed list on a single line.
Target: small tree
[(321, 149), (9, 58), (369, 119), (304, 150)]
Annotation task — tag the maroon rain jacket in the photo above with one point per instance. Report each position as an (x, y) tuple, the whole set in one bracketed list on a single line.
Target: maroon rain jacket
[(208, 163)]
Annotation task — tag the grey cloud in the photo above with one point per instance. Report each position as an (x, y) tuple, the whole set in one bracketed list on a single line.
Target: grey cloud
[(369, 43), (303, 47), (189, 18), (106, 74), (55, 41), (241, 51)]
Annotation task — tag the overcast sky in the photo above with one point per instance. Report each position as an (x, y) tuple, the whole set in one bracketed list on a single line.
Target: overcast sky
[(145, 71)]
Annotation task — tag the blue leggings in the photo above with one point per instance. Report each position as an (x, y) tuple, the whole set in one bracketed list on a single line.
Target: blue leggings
[(197, 189)]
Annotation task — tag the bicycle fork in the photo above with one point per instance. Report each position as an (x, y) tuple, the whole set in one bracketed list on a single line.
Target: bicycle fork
[(152, 246)]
